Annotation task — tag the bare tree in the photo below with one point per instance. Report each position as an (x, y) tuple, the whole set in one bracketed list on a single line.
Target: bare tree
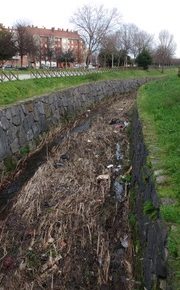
[(165, 49), (24, 40), (39, 49), (108, 45), (93, 23), (50, 49), (132, 40), (119, 45), (125, 36), (141, 40)]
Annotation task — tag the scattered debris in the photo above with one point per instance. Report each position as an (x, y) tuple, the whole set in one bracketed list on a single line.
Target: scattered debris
[(126, 123), (117, 169), (8, 263), (22, 265), (58, 164), (116, 121), (119, 124), (103, 177), (61, 163), (124, 241), (115, 131), (110, 166), (129, 170), (100, 261), (65, 157), (118, 189), (119, 155), (50, 240)]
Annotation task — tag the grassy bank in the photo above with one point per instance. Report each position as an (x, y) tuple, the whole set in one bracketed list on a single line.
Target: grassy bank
[(13, 91), (159, 107)]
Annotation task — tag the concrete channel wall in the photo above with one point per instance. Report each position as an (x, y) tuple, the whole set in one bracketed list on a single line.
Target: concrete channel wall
[(21, 124)]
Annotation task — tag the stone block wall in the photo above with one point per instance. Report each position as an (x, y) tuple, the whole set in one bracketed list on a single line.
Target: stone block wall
[(151, 230)]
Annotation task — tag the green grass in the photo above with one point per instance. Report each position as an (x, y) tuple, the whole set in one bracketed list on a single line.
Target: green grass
[(13, 91), (159, 107), (150, 210)]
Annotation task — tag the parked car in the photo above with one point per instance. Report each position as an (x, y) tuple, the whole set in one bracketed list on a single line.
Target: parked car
[(22, 68), (91, 66), (7, 66), (43, 66)]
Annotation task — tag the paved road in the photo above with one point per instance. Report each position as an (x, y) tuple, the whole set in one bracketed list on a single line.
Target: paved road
[(25, 76)]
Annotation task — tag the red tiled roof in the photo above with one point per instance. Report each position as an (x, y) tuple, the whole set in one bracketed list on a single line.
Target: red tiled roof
[(54, 32)]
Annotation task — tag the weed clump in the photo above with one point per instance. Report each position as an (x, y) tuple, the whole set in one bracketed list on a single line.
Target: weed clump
[(150, 210)]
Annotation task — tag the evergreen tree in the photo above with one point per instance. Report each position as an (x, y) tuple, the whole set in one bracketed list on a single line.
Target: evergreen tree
[(144, 59)]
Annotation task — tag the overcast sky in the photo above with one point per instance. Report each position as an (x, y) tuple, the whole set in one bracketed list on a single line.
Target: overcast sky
[(151, 16)]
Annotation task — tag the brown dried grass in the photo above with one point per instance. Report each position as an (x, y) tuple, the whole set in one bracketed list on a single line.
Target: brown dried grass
[(56, 232)]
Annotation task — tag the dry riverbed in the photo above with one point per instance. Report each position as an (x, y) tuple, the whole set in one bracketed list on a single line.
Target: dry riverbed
[(68, 226)]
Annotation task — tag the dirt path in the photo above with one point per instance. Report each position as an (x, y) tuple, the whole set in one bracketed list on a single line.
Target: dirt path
[(68, 228)]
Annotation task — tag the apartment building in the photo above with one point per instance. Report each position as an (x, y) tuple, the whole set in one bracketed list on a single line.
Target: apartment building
[(50, 44)]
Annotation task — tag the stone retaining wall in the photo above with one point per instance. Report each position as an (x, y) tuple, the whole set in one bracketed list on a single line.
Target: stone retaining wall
[(151, 231), (24, 122)]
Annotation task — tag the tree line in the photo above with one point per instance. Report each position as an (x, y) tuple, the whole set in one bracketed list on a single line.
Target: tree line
[(108, 41), (119, 43)]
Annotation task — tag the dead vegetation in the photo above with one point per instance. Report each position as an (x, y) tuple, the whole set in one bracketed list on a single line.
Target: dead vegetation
[(67, 229)]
